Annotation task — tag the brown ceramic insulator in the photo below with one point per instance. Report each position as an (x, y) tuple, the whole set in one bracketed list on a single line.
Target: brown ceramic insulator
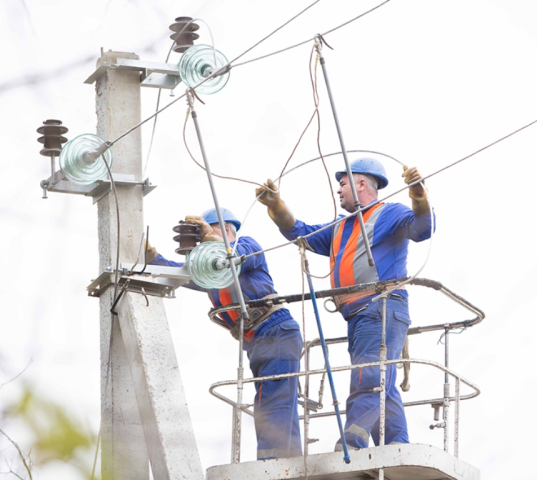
[(188, 238), (52, 131), (183, 38)]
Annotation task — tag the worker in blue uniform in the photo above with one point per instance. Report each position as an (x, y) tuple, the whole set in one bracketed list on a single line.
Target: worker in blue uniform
[(389, 227), (273, 341)]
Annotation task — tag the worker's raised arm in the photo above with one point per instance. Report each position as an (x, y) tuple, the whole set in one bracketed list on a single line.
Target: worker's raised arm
[(277, 209), (418, 194)]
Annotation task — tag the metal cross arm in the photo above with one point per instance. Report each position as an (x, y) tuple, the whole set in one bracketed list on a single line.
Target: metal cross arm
[(157, 280), (153, 74)]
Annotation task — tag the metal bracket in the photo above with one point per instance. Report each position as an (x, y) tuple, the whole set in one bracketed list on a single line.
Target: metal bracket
[(153, 74), (58, 183), (156, 281)]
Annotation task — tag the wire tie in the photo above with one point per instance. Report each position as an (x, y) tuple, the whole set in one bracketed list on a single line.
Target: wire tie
[(118, 298), (195, 95), (324, 41), (303, 245)]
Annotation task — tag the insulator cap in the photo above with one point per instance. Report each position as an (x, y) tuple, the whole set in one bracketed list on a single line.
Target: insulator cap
[(204, 263), (188, 238), (197, 63), (184, 35), (78, 160), (52, 131)]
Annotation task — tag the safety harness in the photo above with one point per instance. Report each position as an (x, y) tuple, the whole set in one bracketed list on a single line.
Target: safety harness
[(341, 300), (257, 316)]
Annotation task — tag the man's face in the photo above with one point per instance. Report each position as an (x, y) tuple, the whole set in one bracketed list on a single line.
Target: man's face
[(345, 194)]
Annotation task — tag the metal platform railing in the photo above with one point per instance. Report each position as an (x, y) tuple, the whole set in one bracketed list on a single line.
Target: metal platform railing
[(437, 403)]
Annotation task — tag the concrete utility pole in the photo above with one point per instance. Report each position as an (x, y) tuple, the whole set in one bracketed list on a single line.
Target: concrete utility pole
[(145, 418)]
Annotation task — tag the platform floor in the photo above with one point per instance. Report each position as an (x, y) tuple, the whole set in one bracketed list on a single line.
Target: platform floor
[(400, 462)]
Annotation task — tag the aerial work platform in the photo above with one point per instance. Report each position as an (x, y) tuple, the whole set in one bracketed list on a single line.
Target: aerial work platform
[(399, 462)]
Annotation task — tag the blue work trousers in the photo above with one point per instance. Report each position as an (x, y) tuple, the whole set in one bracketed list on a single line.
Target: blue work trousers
[(363, 406), (277, 350)]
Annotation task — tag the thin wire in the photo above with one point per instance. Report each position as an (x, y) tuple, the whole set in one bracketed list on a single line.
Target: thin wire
[(429, 250), (315, 112), (160, 89), (210, 34), (309, 39), (313, 78), (305, 163), (460, 330), (270, 34), (339, 153), (362, 208), (202, 167), (214, 74), (155, 122), (112, 182), (110, 343)]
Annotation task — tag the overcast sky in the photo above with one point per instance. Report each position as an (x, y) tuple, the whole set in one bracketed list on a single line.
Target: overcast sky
[(427, 82)]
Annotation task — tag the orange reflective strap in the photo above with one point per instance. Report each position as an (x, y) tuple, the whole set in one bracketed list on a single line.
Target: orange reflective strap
[(346, 264), (224, 296)]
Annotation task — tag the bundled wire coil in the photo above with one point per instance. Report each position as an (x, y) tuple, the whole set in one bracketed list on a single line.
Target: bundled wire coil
[(208, 266), (79, 162), (197, 63)]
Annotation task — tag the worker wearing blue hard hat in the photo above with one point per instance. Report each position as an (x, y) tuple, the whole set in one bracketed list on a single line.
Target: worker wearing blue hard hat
[(272, 337), (211, 217), (367, 166), (389, 227)]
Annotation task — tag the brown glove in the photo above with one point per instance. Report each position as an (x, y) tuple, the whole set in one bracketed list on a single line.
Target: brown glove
[(411, 175), (206, 231), (151, 252)]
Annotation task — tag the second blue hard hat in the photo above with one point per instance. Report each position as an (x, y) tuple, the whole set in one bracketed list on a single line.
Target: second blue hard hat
[(369, 166), (228, 216)]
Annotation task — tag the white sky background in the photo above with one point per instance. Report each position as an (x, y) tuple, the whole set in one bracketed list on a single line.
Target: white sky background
[(425, 81)]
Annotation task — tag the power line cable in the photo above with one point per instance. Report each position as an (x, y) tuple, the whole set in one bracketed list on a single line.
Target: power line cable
[(227, 67), (309, 39), (363, 208)]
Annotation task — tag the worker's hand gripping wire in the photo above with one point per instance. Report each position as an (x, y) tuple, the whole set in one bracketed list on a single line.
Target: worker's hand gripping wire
[(417, 191)]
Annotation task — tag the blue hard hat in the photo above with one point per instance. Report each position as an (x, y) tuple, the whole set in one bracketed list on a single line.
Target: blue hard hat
[(369, 166), (211, 217)]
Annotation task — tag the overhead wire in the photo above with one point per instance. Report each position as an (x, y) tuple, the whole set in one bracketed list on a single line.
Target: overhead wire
[(230, 64), (309, 39), (214, 74), (313, 79), (185, 26), (363, 208)]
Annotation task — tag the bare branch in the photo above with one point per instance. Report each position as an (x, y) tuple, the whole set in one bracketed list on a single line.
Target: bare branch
[(21, 455), (18, 374)]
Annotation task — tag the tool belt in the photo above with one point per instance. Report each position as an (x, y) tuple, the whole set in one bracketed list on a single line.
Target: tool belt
[(256, 317), (341, 300)]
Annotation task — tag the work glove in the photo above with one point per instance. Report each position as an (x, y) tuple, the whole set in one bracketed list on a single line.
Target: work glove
[(150, 252), (411, 175), (206, 231), (269, 194)]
